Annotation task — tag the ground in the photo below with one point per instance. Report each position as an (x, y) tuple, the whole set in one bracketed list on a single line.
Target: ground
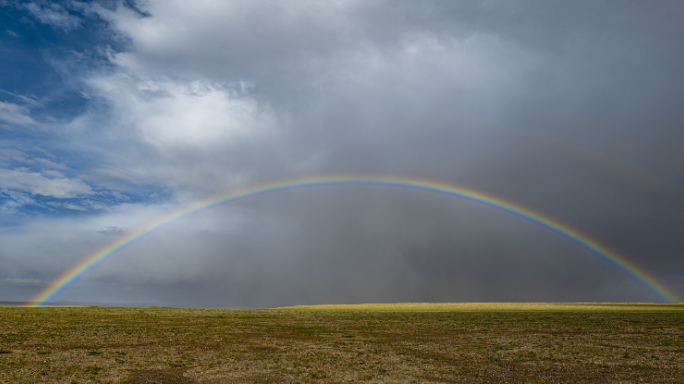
[(406, 343)]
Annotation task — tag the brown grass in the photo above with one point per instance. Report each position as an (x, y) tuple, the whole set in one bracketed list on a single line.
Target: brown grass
[(393, 343)]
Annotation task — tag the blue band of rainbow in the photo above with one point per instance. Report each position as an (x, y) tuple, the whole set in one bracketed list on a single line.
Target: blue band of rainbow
[(89, 262)]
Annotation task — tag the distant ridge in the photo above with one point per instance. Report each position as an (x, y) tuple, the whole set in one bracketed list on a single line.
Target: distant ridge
[(11, 303)]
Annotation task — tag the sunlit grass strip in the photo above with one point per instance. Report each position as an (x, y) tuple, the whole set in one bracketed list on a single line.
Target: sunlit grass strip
[(486, 307), (374, 180)]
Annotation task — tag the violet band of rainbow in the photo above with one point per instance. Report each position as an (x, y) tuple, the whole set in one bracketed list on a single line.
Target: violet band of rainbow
[(73, 273)]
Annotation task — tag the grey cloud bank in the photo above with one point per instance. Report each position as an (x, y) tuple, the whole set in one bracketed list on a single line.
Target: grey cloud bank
[(572, 109)]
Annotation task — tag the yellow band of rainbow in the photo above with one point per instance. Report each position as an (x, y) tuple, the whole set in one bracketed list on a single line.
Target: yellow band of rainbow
[(89, 262)]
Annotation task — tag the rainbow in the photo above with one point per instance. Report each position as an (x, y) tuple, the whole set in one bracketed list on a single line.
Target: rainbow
[(68, 277)]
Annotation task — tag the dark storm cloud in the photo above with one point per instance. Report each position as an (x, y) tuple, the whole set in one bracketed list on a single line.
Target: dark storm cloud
[(569, 108)]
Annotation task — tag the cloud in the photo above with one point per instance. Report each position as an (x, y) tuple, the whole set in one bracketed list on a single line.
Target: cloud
[(44, 152), (22, 281), (564, 108), (192, 135), (12, 154), (53, 174), (15, 114), (75, 207), (113, 231), (219, 122), (50, 164), (14, 201), (232, 93), (29, 100), (54, 15), (255, 35), (167, 113), (37, 184), (114, 179)]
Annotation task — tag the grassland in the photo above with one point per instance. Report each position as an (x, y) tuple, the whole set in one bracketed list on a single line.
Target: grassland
[(393, 343)]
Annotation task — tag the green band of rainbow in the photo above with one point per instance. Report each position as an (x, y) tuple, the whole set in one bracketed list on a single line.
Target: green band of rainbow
[(425, 185)]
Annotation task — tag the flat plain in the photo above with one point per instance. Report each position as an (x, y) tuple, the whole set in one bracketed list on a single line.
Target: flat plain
[(374, 343)]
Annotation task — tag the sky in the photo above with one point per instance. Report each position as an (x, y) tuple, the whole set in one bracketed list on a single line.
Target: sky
[(115, 113)]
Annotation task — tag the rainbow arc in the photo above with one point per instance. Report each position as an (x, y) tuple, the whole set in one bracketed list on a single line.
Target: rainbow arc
[(76, 271)]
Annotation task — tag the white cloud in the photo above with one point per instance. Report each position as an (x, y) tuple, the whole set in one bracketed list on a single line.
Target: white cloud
[(53, 174), (23, 180), (53, 14), (69, 240), (15, 114), (115, 179), (46, 153), (252, 34), (168, 113), (50, 164), (11, 154), (75, 207), (15, 202), (30, 101)]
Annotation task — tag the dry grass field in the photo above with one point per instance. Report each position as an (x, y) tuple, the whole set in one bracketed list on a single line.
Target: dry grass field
[(374, 343)]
